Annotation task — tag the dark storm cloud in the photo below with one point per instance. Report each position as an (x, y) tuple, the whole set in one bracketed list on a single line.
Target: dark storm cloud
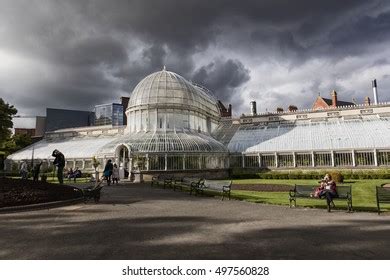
[(224, 76), (88, 52), (354, 37)]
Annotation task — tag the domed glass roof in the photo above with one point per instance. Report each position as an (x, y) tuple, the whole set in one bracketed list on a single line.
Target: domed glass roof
[(166, 88)]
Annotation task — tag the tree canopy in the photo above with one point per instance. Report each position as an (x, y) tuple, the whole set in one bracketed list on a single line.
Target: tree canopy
[(6, 113)]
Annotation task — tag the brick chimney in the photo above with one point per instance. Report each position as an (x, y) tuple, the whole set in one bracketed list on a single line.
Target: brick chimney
[(367, 101), (334, 98), (230, 110)]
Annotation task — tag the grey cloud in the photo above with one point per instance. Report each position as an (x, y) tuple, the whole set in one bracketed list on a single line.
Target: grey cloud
[(100, 49), (223, 77)]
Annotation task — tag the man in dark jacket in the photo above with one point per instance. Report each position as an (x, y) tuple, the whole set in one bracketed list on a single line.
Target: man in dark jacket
[(108, 171), (60, 162), (36, 171)]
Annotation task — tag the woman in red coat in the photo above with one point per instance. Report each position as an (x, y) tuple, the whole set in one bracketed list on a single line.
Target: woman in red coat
[(330, 192)]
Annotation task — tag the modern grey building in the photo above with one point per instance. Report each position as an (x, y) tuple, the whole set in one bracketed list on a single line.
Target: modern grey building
[(62, 118), (109, 114)]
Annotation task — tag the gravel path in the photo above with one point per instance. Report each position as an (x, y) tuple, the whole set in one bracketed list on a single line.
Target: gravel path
[(138, 222)]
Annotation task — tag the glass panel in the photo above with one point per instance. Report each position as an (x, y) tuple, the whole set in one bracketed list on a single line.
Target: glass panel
[(364, 158), (251, 161), (117, 114), (303, 160), (157, 162), (175, 162), (69, 164), (88, 164), (192, 162), (383, 158), (323, 159), (268, 160), (343, 159), (139, 163), (285, 160)]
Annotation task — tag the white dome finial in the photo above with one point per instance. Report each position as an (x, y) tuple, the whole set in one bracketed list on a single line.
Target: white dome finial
[(164, 68)]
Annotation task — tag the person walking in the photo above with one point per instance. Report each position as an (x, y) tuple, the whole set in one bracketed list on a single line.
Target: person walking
[(37, 169), (23, 170), (107, 172), (59, 161)]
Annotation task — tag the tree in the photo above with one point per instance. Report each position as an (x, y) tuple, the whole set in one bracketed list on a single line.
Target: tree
[(292, 108), (6, 113), (279, 110)]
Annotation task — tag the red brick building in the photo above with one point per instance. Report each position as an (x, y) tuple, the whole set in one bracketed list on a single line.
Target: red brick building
[(27, 131), (325, 103), (224, 112)]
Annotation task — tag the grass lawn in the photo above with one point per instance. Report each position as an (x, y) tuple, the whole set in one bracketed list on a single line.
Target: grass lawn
[(363, 194)]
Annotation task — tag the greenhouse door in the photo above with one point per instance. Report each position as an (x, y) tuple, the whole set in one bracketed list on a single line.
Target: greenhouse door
[(122, 159)]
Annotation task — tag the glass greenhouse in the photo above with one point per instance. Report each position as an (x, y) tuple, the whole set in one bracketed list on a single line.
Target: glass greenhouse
[(169, 127), (360, 142), (175, 125)]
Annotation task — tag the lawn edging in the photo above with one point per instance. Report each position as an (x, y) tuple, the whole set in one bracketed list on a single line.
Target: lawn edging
[(41, 206)]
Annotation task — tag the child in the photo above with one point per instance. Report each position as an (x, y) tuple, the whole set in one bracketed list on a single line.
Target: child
[(115, 174)]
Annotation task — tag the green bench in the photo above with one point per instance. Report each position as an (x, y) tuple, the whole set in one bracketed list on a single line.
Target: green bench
[(162, 180), (382, 196), (224, 187), (187, 182), (305, 191)]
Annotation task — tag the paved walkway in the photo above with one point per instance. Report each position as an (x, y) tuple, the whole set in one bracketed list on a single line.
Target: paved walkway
[(138, 222)]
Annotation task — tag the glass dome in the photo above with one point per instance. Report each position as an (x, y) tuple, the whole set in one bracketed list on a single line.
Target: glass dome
[(166, 101), (168, 89)]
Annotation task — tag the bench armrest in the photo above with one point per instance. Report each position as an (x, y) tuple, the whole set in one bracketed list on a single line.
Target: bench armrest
[(227, 187)]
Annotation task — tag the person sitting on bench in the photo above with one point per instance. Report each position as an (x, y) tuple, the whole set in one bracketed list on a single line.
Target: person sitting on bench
[(329, 191)]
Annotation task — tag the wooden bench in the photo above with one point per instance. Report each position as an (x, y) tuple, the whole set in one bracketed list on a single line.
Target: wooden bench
[(187, 182), (224, 187), (162, 180), (305, 191), (382, 196), (92, 192)]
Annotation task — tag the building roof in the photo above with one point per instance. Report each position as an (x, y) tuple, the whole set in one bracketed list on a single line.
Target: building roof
[(168, 89), (339, 102), (369, 132), (147, 142), (71, 147)]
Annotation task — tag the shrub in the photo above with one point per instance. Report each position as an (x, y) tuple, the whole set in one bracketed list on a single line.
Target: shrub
[(337, 176), (361, 176), (292, 176), (354, 176)]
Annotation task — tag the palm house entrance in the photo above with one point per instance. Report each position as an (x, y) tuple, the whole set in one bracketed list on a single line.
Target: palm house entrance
[(122, 159)]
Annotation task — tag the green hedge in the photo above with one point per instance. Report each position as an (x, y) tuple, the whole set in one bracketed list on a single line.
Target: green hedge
[(338, 176)]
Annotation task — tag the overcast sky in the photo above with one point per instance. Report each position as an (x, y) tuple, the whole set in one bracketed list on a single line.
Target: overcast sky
[(74, 54)]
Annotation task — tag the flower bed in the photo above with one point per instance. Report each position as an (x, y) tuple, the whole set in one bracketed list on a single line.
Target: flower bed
[(17, 192)]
